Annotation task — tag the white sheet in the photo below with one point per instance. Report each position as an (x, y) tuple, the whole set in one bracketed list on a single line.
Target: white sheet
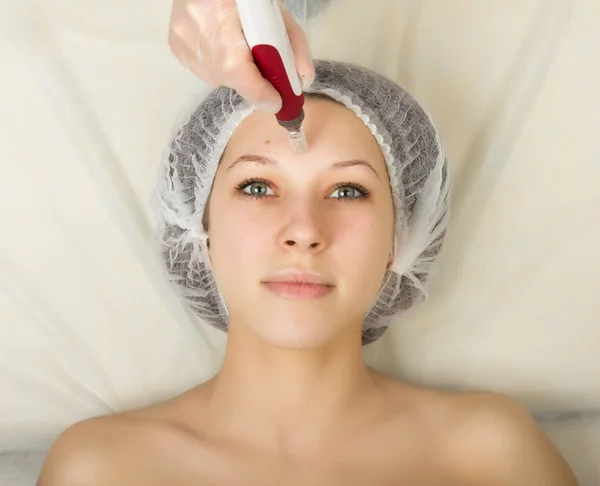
[(88, 94)]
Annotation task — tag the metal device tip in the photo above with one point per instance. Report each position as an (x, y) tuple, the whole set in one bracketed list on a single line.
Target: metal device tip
[(298, 140)]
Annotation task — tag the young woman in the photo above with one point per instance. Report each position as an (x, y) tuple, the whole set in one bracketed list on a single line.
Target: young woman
[(303, 258)]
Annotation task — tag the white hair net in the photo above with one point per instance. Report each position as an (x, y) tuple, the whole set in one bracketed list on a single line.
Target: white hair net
[(416, 167), (303, 10)]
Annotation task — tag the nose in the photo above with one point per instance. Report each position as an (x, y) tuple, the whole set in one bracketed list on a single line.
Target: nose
[(303, 229)]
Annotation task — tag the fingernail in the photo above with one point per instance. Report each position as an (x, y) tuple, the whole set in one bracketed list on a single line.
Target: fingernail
[(268, 107), (184, 62), (307, 81)]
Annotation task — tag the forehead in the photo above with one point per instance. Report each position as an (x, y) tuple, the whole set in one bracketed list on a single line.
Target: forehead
[(331, 129)]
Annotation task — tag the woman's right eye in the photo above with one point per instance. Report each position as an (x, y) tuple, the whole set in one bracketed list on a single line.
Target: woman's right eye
[(255, 189)]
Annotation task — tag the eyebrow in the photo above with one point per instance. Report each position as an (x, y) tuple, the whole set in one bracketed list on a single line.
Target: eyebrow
[(269, 161)]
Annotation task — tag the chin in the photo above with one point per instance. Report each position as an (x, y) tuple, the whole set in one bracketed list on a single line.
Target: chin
[(285, 333)]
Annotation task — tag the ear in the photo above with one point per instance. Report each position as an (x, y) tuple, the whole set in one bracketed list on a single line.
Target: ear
[(208, 250), (393, 252)]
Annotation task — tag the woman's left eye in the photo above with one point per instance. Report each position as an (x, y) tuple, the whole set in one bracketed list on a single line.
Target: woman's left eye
[(350, 191)]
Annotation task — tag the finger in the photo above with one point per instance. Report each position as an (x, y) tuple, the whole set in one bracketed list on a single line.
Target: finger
[(176, 47), (183, 34), (184, 42), (201, 72), (184, 28), (246, 79), (194, 62), (300, 48)]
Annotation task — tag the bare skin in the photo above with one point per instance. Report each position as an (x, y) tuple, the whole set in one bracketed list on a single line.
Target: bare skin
[(419, 437), (294, 402)]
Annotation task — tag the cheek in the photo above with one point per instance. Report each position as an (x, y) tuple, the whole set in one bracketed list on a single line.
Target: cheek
[(366, 240), (237, 239)]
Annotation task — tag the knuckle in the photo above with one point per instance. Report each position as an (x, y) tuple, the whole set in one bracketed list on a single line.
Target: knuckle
[(180, 28), (231, 66), (234, 59), (174, 39)]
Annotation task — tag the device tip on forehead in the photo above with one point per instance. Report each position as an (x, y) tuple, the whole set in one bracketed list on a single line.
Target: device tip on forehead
[(298, 140)]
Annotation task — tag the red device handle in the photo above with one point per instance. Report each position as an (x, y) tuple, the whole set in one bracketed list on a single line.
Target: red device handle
[(271, 66)]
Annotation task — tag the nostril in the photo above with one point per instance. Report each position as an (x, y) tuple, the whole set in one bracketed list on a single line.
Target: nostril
[(290, 243)]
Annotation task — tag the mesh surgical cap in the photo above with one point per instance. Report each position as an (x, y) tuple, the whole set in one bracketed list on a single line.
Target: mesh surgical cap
[(416, 168)]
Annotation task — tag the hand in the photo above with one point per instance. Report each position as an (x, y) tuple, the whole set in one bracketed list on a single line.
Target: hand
[(206, 36)]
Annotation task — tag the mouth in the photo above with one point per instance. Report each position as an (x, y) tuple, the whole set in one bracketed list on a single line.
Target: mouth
[(292, 284)]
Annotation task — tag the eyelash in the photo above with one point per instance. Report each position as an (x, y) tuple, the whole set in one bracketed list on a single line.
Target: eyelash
[(365, 193)]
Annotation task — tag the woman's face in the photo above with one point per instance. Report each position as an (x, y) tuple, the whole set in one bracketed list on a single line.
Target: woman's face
[(327, 213)]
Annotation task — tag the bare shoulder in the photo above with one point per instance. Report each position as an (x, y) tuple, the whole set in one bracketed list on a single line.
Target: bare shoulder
[(493, 440), (120, 449), (88, 452), (481, 438)]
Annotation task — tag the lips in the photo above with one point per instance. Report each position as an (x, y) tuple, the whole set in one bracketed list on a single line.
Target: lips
[(294, 284)]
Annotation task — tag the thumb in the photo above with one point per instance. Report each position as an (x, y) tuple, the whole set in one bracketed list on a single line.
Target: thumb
[(299, 42)]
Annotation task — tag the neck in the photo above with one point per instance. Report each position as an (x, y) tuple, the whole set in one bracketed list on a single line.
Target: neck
[(291, 400)]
